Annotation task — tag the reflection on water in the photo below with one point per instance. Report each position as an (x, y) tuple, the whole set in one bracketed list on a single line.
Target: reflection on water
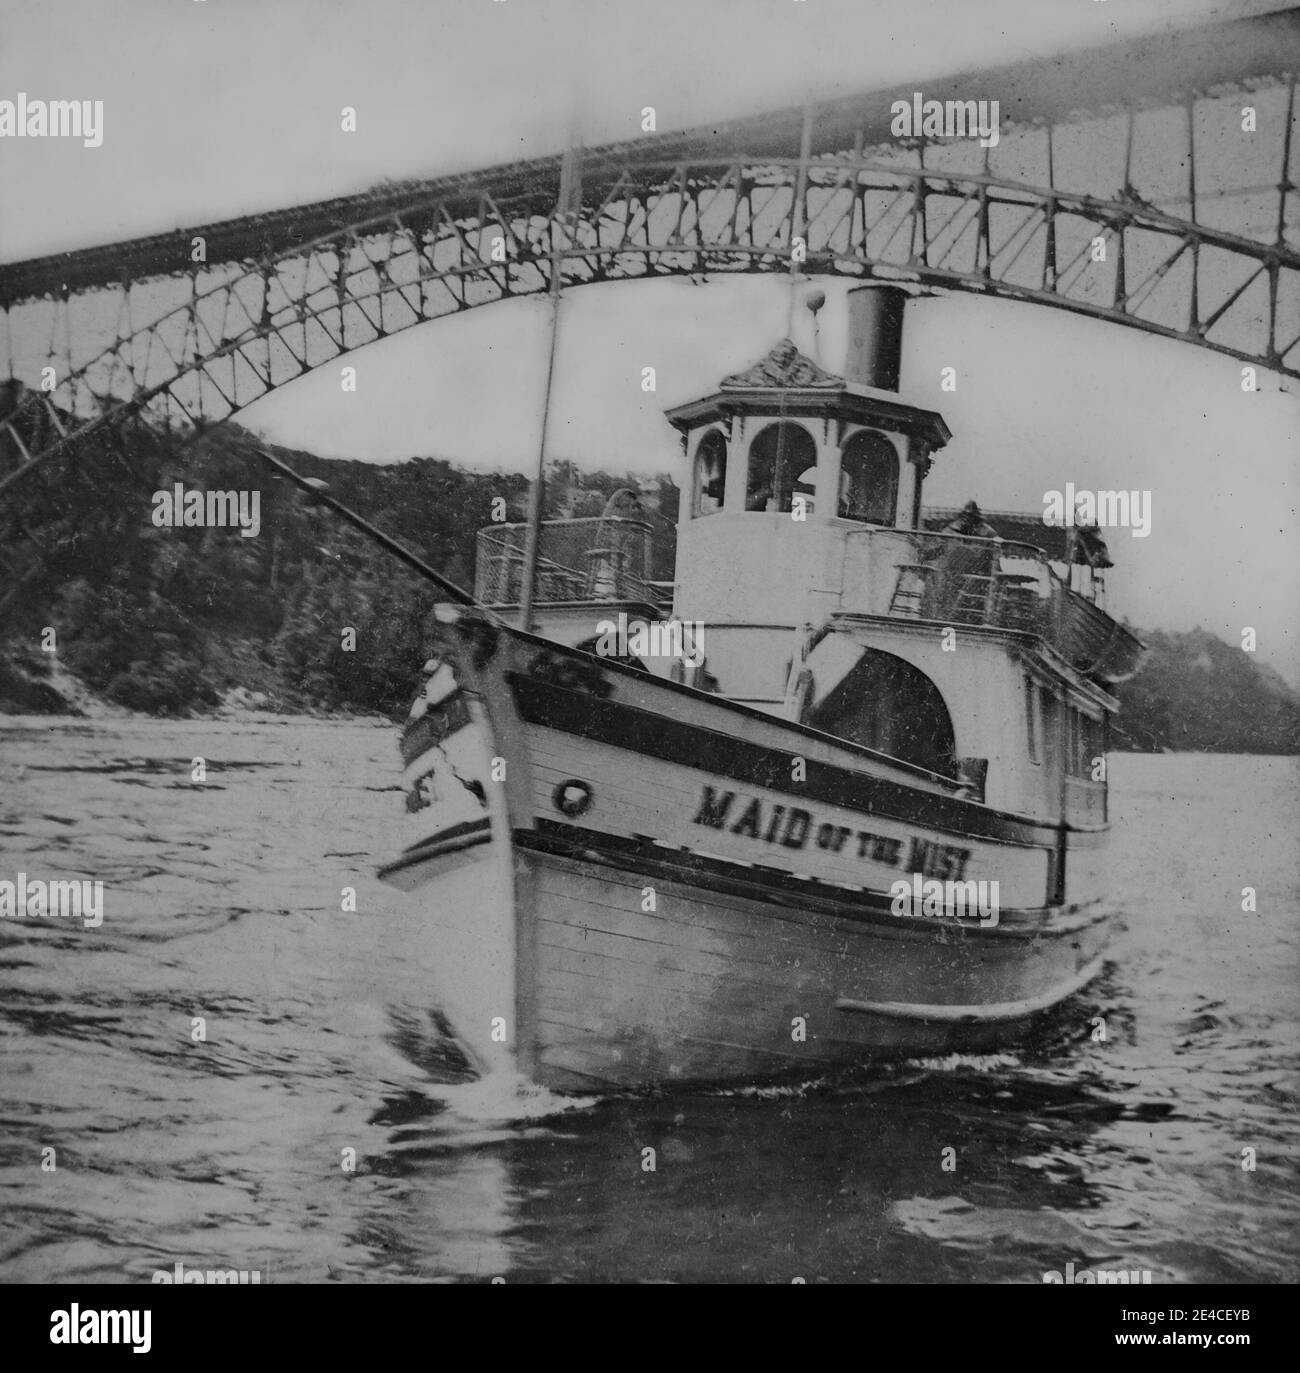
[(228, 1147)]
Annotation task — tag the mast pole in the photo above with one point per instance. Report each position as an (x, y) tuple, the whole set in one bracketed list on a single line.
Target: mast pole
[(797, 216), (569, 199), (797, 227), (314, 487), (1063, 822), (1064, 739)]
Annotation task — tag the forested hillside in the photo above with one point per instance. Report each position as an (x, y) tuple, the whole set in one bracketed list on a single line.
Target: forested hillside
[(178, 621), (1196, 692), (171, 620)]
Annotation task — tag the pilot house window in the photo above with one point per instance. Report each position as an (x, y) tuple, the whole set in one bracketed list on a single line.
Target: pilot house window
[(869, 479), (710, 473), (782, 464)]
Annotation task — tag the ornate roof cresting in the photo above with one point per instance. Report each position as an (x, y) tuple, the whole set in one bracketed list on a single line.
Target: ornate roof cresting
[(785, 366)]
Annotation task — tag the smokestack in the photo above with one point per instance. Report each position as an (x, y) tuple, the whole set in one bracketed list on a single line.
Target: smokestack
[(875, 336)]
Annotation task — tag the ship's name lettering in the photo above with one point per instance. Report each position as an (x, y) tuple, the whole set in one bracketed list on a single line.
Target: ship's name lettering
[(794, 828)]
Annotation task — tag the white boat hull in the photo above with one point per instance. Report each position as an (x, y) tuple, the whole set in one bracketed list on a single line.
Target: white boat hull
[(608, 921)]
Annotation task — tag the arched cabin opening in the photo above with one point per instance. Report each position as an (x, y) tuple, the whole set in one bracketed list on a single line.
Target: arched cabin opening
[(780, 465), (869, 470), (887, 704), (709, 480)]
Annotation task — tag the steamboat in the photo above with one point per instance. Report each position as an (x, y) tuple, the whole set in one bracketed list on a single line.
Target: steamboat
[(849, 803)]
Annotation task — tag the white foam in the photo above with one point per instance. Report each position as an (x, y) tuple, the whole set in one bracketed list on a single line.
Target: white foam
[(505, 1096)]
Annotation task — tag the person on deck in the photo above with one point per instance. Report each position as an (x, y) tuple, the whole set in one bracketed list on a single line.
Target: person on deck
[(956, 561), (971, 522)]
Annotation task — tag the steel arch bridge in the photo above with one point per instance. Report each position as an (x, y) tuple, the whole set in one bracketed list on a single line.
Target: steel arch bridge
[(1126, 186)]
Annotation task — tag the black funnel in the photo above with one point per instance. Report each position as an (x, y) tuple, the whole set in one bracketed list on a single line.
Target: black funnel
[(875, 336)]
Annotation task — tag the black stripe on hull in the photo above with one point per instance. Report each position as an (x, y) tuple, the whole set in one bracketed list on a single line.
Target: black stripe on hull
[(453, 839), (726, 755), (777, 887)]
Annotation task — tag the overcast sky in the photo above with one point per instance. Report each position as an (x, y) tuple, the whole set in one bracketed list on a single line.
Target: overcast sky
[(215, 108)]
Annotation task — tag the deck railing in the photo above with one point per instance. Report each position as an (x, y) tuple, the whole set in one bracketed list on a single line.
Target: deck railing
[(954, 579), (594, 559)]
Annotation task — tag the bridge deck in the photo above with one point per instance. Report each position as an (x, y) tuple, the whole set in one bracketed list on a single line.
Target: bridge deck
[(1156, 70)]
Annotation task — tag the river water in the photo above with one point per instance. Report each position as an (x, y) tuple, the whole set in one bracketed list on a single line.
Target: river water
[(222, 904)]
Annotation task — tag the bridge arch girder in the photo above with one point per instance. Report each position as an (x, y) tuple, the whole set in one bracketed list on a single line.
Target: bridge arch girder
[(233, 333)]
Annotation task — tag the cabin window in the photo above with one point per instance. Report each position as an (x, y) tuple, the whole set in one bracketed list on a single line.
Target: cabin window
[(869, 479), (1084, 744), (1093, 743), (1047, 715), (710, 474), (780, 459), (1031, 720)]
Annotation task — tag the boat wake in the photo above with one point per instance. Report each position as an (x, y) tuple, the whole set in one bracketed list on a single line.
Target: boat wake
[(501, 1098), (418, 1052), (974, 1063)]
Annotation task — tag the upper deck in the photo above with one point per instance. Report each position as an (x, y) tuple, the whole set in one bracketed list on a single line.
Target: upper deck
[(913, 575), (989, 583), (605, 560)]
